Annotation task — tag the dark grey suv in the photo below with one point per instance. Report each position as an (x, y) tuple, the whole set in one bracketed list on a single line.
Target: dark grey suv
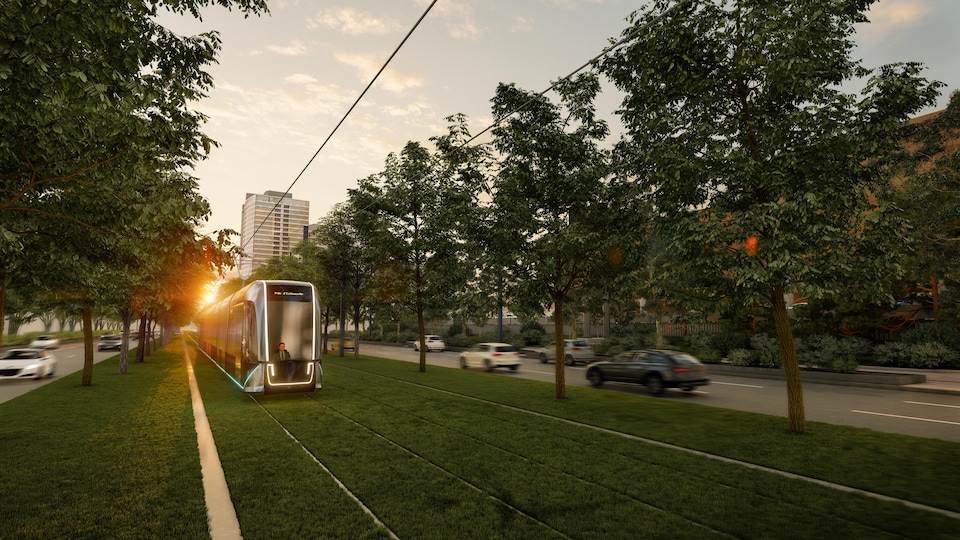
[(656, 369)]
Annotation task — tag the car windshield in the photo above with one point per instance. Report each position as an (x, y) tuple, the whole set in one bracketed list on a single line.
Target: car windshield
[(17, 355), (504, 348), (579, 343)]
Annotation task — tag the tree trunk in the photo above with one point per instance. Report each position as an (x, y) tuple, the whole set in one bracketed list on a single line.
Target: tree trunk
[(935, 298), (125, 315), (87, 379), (791, 366), (356, 331), (3, 312), (142, 339), (558, 356)]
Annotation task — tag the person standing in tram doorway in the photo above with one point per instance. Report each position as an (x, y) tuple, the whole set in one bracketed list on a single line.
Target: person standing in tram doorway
[(283, 355)]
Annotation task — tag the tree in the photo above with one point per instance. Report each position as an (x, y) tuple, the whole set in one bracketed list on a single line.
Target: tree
[(423, 201), (928, 173), (764, 172), (93, 105), (558, 222)]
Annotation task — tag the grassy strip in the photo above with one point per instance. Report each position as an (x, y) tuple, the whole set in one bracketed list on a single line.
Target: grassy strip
[(921, 470), (435, 465), (278, 491), (119, 459), (114, 460)]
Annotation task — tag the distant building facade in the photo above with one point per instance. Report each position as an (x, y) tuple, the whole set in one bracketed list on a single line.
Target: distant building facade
[(272, 225)]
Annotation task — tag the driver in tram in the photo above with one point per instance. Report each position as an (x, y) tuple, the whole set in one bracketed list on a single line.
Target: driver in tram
[(282, 355)]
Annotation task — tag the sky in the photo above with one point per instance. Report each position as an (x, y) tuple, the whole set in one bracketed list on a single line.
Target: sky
[(286, 79)]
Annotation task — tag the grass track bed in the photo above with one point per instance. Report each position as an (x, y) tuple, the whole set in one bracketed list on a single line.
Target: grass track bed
[(119, 460), (417, 456)]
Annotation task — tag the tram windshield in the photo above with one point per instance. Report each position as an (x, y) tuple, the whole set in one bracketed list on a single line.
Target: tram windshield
[(290, 312)]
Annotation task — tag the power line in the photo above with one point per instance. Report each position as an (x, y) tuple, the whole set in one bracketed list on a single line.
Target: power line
[(607, 50), (636, 31), (342, 120)]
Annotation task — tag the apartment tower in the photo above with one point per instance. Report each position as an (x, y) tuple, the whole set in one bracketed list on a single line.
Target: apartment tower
[(272, 225)]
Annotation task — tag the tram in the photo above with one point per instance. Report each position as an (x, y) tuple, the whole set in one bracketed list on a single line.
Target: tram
[(242, 335)]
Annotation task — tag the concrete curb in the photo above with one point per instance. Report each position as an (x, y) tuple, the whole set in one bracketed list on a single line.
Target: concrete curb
[(911, 382)]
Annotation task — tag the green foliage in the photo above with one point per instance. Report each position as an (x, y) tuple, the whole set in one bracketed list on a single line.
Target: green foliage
[(825, 351), (743, 357), (948, 335), (916, 355), (728, 341), (767, 350)]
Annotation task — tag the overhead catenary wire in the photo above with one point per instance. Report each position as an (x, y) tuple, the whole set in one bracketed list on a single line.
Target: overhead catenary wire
[(342, 120), (607, 50)]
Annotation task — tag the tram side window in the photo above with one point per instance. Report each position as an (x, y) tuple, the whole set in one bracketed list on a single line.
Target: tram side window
[(251, 343)]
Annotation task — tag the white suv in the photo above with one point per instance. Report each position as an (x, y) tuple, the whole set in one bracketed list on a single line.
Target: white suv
[(434, 343)]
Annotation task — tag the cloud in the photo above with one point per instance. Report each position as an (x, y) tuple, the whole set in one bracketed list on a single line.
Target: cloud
[(459, 18), (300, 78), (353, 22), (521, 25), (294, 48), (574, 4), (367, 66), (890, 17)]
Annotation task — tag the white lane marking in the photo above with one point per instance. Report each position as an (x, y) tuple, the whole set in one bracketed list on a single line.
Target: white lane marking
[(932, 404), (737, 384), (908, 417)]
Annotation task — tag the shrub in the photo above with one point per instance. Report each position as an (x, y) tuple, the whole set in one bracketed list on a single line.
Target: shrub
[(892, 354), (742, 357), (766, 350), (728, 341), (458, 340), (844, 365), (699, 341), (916, 355), (708, 355), (930, 333)]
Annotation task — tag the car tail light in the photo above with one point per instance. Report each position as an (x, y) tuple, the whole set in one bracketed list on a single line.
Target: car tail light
[(681, 370)]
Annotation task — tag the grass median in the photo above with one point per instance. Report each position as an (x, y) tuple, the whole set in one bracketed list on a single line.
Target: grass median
[(448, 454)]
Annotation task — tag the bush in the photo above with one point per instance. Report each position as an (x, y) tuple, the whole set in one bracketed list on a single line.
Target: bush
[(916, 355), (708, 355), (742, 357), (727, 341), (932, 333), (828, 352), (459, 340), (766, 350)]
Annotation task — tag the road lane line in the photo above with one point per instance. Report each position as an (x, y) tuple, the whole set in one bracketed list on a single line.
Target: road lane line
[(908, 417), (932, 404), (737, 384)]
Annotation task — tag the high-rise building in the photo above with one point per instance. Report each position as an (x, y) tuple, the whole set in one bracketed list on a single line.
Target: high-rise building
[(272, 225)]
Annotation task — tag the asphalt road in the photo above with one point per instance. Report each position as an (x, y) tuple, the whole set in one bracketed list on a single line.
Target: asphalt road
[(69, 360), (911, 413)]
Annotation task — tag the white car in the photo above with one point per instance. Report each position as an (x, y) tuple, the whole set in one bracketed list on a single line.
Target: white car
[(27, 364), (434, 343), (45, 342), (490, 356), (574, 350)]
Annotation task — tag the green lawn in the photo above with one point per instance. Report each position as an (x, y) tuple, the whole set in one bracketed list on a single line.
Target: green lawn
[(447, 454)]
